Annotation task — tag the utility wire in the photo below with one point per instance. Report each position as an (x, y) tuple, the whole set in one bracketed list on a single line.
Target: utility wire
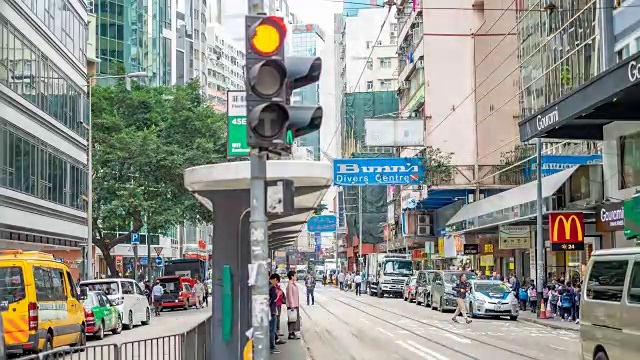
[(364, 68)]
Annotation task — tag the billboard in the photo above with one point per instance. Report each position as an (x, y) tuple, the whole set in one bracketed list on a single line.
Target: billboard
[(394, 132), (378, 171), (237, 124), (552, 164), (322, 223), (566, 231)]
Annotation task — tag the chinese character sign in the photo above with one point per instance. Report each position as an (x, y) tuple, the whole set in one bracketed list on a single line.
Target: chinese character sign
[(515, 237), (322, 223)]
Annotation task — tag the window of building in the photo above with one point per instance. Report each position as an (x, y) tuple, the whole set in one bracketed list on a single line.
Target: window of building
[(369, 85), (30, 74), (370, 64), (379, 42), (393, 27), (33, 167), (623, 53), (606, 280), (385, 63), (393, 39), (369, 44), (629, 160), (385, 84)]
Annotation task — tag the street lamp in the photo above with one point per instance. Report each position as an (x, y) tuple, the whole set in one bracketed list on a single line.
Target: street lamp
[(127, 77)]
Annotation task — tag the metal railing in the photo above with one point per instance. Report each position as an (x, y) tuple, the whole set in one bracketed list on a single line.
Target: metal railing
[(193, 344)]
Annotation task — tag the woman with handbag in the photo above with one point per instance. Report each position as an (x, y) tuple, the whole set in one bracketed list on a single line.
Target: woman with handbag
[(293, 305)]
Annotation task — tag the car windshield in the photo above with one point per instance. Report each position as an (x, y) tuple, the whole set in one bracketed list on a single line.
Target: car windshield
[(492, 288), (171, 286), (398, 267), (107, 287), (11, 286), (452, 278)]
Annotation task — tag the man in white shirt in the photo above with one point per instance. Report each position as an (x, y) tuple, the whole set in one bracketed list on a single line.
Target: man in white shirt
[(156, 294), (341, 281), (358, 281)]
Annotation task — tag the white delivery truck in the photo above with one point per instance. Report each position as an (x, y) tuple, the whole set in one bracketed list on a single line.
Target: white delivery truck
[(387, 273)]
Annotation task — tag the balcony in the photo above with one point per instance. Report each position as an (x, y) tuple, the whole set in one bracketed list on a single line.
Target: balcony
[(412, 44)]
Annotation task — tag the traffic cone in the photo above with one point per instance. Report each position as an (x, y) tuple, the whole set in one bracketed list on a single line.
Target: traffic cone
[(543, 312), (549, 314)]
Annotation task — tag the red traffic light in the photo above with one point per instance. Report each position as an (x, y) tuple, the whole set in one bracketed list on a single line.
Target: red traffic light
[(267, 36)]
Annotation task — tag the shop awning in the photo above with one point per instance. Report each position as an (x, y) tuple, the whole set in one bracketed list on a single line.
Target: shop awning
[(612, 95), (506, 206)]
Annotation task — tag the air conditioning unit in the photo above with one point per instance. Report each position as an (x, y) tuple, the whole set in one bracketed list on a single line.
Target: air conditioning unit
[(420, 64), (393, 33), (424, 231), (424, 219)]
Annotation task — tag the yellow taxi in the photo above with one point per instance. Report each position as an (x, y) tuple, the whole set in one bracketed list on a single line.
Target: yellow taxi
[(39, 303)]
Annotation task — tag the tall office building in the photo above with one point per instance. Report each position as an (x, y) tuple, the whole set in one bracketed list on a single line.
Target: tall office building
[(136, 36), (307, 40), (43, 162), (191, 46)]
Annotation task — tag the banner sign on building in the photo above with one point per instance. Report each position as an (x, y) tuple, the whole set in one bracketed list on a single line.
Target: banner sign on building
[(515, 237), (471, 249), (610, 217), (566, 231), (322, 223), (318, 242), (237, 124), (394, 132), (632, 217), (552, 164), (380, 171)]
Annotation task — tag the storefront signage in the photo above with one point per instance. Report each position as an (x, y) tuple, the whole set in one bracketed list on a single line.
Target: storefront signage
[(547, 120), (632, 217), (488, 248), (471, 249), (441, 247), (566, 231), (610, 217), (376, 171), (633, 71), (515, 237)]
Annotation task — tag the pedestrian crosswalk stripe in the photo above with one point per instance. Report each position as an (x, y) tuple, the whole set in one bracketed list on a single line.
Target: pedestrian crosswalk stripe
[(385, 332), (414, 350), (451, 336), (428, 351)]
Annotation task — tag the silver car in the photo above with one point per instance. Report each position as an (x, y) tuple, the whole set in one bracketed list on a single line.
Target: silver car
[(492, 298)]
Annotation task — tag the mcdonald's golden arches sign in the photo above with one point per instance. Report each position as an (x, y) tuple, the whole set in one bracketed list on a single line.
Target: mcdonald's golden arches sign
[(566, 231)]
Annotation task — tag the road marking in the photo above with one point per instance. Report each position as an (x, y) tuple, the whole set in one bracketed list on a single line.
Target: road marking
[(403, 332), (457, 338), (557, 347), (364, 321), (414, 350), (428, 351), (385, 332)]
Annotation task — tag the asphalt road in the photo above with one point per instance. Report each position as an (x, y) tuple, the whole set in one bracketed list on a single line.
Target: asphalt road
[(343, 326)]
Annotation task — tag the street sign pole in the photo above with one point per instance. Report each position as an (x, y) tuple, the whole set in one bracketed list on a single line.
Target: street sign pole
[(360, 243), (135, 262), (539, 239)]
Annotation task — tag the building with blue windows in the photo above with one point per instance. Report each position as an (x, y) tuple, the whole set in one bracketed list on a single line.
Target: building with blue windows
[(307, 40)]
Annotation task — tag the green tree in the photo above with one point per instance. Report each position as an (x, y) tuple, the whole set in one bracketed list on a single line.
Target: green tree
[(320, 208), (437, 166), (143, 140)]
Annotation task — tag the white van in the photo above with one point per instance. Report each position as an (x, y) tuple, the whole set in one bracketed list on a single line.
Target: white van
[(127, 295), (610, 306)]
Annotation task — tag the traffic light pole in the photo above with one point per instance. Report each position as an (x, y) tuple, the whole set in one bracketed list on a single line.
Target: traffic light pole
[(539, 238)]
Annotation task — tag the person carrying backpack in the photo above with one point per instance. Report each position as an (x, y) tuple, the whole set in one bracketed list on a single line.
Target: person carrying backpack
[(533, 297), (524, 298), (566, 302)]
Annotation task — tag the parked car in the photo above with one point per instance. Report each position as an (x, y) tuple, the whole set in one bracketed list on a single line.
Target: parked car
[(127, 296), (443, 297), (39, 294), (492, 298), (409, 289), (423, 287), (100, 314)]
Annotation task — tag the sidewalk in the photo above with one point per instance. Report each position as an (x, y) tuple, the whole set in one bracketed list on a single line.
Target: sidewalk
[(293, 349), (556, 323)]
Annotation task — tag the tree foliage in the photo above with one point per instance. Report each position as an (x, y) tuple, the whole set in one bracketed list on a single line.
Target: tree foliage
[(143, 140), (320, 208), (437, 166)]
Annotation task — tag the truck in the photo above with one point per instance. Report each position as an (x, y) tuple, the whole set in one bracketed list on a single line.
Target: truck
[(331, 267), (185, 268), (387, 273)]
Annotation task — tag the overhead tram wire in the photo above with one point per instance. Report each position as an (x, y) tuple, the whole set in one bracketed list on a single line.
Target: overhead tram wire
[(364, 68)]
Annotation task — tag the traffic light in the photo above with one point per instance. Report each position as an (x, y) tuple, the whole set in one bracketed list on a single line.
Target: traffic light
[(302, 71), (266, 76)]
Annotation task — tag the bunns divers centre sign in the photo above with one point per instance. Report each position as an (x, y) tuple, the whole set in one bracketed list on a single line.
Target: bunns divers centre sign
[(378, 171)]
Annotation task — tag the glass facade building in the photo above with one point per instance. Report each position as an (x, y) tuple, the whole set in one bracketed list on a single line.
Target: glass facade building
[(307, 40), (123, 40), (558, 50), (43, 117)]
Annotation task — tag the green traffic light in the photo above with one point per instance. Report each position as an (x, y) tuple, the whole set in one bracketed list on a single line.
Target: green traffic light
[(289, 137)]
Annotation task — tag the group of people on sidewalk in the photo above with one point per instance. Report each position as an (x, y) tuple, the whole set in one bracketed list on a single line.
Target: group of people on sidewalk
[(289, 297)]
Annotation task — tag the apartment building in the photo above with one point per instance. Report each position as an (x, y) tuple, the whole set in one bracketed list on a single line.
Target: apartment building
[(191, 45), (225, 67), (43, 97)]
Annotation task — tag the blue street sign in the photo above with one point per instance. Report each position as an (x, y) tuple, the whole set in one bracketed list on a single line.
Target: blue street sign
[(59, 259), (552, 164), (159, 260), (135, 238), (386, 171), (143, 260), (322, 223)]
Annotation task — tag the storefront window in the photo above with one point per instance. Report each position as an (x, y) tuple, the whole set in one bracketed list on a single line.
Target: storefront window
[(630, 160)]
